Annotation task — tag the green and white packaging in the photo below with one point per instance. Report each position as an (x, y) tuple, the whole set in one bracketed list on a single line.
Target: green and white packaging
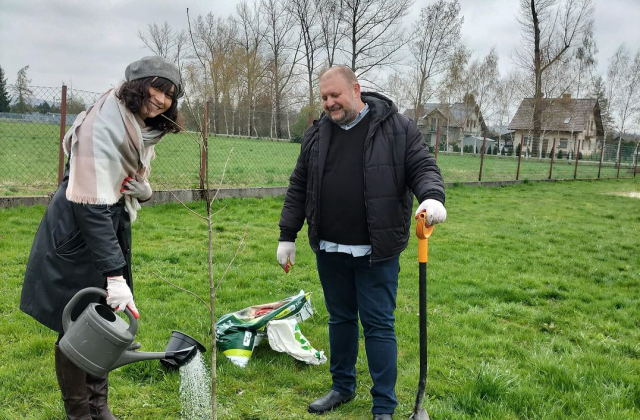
[(238, 333), (285, 337)]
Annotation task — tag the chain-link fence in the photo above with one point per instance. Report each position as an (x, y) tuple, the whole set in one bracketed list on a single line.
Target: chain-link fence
[(30, 162)]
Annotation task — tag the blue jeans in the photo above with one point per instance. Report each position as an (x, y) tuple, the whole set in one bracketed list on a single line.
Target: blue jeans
[(352, 286)]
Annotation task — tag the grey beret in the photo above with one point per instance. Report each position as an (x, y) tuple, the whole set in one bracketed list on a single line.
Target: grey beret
[(155, 66)]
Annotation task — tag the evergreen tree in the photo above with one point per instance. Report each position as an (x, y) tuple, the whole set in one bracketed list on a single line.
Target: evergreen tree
[(23, 91), (5, 99), (44, 107)]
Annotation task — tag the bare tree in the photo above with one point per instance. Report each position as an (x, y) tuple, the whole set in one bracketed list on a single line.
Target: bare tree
[(455, 84), (507, 99), (213, 42), (483, 77), (284, 53), (250, 38), (164, 41), (399, 87), (433, 40), (624, 87), (329, 12), (373, 34), (550, 29), (306, 13), (585, 59)]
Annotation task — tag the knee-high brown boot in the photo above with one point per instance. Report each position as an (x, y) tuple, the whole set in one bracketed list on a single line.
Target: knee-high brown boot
[(98, 392), (72, 383)]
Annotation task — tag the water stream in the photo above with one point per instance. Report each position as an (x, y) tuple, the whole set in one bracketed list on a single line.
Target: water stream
[(195, 390)]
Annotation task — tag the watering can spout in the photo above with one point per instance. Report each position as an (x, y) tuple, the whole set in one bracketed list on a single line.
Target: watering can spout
[(181, 356)]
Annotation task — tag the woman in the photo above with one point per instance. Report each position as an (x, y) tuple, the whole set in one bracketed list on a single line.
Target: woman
[(84, 239)]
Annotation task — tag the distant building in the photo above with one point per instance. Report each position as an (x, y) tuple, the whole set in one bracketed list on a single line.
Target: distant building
[(503, 137), (475, 143), (564, 120), (456, 121)]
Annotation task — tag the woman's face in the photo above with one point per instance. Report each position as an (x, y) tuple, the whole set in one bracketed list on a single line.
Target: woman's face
[(158, 103)]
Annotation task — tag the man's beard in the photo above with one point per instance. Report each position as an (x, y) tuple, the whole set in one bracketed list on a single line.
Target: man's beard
[(348, 114)]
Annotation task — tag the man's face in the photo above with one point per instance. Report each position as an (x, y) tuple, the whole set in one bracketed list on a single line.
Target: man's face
[(338, 99)]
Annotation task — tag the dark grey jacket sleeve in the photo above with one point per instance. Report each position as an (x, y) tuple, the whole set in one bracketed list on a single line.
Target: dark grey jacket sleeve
[(293, 210), (96, 224), (421, 172)]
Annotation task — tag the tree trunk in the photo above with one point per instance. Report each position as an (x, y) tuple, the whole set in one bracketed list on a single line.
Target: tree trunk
[(537, 99)]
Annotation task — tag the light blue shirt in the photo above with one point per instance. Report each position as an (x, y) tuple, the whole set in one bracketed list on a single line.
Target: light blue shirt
[(359, 117), (355, 250)]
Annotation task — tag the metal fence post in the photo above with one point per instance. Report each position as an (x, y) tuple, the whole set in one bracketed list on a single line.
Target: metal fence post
[(63, 129), (619, 158), (437, 143), (553, 155), (484, 142), (575, 171), (601, 157), (635, 167)]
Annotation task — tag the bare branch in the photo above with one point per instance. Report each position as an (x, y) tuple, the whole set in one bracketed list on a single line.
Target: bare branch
[(184, 290), (224, 169), (233, 259), (180, 201)]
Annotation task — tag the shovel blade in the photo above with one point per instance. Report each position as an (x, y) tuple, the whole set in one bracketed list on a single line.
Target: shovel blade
[(420, 415)]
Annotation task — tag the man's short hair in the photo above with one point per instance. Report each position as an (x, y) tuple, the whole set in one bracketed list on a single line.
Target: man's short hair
[(347, 74)]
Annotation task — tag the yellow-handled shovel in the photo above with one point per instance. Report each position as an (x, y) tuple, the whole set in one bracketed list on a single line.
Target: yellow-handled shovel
[(423, 232)]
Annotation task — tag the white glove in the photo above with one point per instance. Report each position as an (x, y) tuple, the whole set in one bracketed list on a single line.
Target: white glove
[(286, 255), (119, 295), (138, 189), (436, 213)]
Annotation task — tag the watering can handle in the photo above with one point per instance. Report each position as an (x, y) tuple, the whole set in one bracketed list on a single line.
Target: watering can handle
[(66, 314)]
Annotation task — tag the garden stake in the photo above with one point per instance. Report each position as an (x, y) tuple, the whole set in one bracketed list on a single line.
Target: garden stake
[(423, 232)]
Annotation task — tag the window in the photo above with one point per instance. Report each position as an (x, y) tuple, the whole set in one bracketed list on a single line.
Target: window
[(434, 124), (593, 123), (526, 141), (567, 120), (563, 143)]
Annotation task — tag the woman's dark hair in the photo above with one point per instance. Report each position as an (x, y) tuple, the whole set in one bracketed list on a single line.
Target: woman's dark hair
[(135, 93)]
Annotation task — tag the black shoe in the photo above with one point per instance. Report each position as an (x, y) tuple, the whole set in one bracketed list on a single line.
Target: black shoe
[(383, 417), (329, 401)]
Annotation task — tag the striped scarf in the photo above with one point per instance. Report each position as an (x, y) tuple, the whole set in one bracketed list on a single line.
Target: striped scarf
[(105, 145)]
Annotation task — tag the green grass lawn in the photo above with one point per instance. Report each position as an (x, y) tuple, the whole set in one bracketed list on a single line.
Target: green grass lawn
[(29, 162), (533, 310)]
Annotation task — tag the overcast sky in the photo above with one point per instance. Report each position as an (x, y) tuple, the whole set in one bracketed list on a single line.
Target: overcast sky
[(88, 43)]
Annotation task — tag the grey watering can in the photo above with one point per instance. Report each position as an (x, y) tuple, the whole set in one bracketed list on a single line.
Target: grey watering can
[(99, 340)]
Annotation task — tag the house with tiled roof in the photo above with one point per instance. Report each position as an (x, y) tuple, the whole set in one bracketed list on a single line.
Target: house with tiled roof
[(571, 123), (456, 121)]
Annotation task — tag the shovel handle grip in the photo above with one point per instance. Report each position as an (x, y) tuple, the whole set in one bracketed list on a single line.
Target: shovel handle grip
[(423, 232)]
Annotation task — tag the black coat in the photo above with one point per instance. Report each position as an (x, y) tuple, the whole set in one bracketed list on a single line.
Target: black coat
[(75, 247), (395, 165)]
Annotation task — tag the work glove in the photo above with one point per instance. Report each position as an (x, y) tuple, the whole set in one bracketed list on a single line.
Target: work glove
[(436, 213), (138, 189), (119, 295), (286, 255)]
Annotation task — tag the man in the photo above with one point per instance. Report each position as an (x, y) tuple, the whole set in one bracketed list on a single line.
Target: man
[(353, 182)]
